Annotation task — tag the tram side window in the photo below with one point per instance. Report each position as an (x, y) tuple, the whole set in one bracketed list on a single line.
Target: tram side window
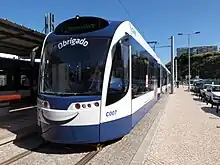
[(3, 79), (119, 75), (164, 77), (23, 73), (140, 70), (158, 76), (24, 80), (14, 75), (140, 77), (7, 77), (152, 75), (169, 78)]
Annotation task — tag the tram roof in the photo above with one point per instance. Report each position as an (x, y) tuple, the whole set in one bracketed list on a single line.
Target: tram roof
[(17, 39)]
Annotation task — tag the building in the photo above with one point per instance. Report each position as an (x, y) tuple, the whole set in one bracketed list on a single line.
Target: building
[(197, 50)]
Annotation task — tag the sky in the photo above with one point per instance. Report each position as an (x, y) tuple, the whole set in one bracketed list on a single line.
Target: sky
[(156, 20)]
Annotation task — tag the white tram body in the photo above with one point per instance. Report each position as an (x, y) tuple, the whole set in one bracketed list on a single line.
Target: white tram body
[(98, 79)]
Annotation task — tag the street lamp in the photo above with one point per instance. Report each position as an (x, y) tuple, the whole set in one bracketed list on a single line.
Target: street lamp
[(189, 35)]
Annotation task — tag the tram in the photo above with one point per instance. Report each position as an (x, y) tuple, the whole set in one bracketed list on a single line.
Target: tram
[(18, 80), (97, 80)]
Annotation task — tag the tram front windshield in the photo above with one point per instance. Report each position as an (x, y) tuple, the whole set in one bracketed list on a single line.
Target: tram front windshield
[(74, 66)]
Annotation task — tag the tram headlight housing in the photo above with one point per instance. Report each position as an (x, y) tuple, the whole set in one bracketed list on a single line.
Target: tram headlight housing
[(42, 103)]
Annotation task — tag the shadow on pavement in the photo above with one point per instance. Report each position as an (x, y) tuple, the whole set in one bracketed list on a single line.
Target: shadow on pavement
[(17, 119), (211, 110), (197, 99), (53, 148), (17, 125)]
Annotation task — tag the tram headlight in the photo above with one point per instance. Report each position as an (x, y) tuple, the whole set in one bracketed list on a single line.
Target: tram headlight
[(77, 106), (43, 103)]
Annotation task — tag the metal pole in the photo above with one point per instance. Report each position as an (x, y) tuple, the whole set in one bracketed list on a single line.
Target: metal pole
[(172, 64), (161, 77), (45, 23), (176, 69), (189, 61)]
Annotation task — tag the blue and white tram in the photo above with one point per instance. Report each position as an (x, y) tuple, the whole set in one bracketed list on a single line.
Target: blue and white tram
[(98, 79)]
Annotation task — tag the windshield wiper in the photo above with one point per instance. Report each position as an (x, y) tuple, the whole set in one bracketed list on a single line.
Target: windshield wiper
[(53, 93), (71, 94), (60, 93)]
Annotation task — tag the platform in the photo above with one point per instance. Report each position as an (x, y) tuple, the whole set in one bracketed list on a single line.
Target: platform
[(186, 133)]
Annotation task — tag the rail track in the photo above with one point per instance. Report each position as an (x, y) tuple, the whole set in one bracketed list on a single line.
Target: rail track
[(87, 158), (90, 155), (23, 154), (82, 161), (94, 150)]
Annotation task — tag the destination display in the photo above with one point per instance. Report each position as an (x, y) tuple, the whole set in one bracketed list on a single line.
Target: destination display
[(81, 25)]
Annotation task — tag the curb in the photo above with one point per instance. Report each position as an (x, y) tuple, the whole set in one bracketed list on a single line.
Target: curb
[(139, 156)]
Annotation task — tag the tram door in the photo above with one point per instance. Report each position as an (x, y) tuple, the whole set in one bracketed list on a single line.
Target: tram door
[(116, 114)]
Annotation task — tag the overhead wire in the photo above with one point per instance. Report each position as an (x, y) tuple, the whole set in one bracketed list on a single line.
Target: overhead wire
[(129, 15), (126, 11)]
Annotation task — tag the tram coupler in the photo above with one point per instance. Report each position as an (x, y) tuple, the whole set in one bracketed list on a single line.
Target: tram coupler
[(99, 147)]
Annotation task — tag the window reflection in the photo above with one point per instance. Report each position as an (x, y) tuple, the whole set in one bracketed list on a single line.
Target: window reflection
[(119, 75), (143, 70)]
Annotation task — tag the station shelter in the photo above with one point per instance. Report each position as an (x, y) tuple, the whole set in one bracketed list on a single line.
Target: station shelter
[(18, 78)]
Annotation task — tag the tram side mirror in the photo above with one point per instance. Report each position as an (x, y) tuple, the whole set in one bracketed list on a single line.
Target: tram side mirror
[(33, 55)]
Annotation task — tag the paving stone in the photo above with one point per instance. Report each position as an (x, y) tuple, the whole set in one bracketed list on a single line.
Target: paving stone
[(124, 150), (186, 135)]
